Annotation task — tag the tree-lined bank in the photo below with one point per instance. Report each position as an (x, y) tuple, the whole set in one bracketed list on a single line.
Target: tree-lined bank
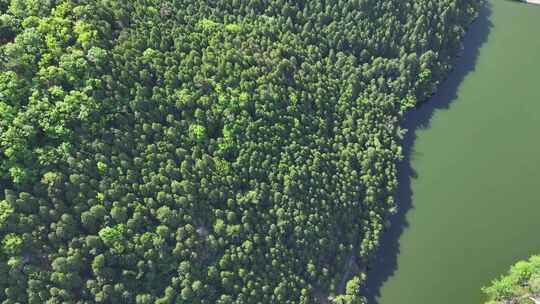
[(473, 175)]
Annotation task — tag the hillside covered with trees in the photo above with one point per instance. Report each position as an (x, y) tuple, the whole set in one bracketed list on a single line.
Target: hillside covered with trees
[(187, 151)]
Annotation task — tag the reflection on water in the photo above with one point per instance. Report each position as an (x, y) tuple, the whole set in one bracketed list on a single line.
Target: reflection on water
[(469, 205), (385, 264)]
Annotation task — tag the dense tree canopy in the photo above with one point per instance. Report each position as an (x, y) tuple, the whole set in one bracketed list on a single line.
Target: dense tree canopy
[(520, 286), (186, 151)]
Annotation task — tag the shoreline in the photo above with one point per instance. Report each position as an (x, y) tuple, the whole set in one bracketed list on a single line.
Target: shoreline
[(386, 258)]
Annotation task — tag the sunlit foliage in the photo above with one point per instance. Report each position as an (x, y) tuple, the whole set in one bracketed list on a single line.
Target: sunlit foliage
[(185, 151)]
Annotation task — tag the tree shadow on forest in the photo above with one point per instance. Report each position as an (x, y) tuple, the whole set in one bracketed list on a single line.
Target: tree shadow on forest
[(385, 264)]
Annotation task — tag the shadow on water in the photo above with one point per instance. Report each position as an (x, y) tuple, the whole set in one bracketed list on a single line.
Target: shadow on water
[(385, 263)]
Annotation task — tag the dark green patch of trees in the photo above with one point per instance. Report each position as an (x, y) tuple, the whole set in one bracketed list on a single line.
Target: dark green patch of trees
[(185, 151)]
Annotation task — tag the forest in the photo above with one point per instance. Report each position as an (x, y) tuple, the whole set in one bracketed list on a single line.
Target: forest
[(188, 151), (520, 286)]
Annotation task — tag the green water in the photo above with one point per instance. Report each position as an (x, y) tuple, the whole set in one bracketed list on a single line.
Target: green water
[(475, 200)]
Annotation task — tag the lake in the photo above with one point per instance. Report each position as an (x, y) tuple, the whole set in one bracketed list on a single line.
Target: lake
[(471, 178)]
